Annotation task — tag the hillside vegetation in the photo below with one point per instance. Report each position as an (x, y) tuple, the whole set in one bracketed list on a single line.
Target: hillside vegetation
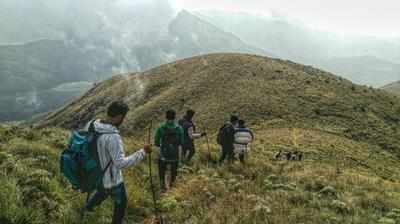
[(348, 134), (259, 89)]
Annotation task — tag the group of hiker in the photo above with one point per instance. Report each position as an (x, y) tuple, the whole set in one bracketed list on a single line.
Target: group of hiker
[(176, 143), (172, 137)]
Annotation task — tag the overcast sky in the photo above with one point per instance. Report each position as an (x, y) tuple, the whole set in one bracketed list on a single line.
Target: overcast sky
[(365, 17)]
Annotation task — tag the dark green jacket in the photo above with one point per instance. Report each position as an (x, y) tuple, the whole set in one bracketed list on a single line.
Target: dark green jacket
[(169, 153)]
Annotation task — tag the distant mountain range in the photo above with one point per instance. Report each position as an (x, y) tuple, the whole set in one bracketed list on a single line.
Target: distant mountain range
[(364, 60), (106, 44), (29, 72), (189, 36), (364, 69), (393, 88)]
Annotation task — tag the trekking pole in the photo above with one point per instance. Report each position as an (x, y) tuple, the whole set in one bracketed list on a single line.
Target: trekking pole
[(159, 218), (208, 148)]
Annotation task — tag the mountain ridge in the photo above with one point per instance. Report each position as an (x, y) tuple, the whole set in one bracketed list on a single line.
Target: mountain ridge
[(261, 89), (393, 88)]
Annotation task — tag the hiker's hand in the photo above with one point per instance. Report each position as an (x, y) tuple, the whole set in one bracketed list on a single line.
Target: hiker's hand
[(147, 149), (203, 134)]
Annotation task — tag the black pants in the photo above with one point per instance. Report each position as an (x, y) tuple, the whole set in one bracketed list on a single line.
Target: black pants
[(227, 151), (188, 152), (241, 157), (162, 170), (118, 194)]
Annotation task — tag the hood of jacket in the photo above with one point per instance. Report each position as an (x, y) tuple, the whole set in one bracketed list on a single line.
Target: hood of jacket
[(104, 128)]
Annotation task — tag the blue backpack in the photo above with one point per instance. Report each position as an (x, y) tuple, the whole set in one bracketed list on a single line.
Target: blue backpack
[(80, 164)]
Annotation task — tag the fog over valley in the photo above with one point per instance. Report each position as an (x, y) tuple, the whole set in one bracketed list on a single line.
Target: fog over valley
[(46, 46)]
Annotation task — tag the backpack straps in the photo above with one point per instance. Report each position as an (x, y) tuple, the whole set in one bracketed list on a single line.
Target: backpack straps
[(91, 127), (102, 175), (105, 169)]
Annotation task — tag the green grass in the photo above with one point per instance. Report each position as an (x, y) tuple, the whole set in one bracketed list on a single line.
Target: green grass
[(349, 134), (353, 182)]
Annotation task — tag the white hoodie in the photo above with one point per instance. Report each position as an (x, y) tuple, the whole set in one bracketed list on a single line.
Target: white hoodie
[(110, 147)]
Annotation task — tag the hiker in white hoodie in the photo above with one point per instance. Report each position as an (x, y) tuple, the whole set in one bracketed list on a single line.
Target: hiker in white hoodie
[(110, 148)]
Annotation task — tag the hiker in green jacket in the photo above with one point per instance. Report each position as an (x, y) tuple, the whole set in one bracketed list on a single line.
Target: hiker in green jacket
[(169, 137)]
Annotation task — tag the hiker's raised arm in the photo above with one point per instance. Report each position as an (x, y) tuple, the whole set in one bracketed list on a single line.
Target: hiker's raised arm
[(193, 135), (118, 157)]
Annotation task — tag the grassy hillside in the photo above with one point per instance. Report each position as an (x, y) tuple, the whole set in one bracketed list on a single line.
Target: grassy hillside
[(340, 181), (259, 89), (348, 134)]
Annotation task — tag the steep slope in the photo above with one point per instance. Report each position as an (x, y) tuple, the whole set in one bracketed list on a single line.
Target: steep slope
[(393, 88), (259, 89)]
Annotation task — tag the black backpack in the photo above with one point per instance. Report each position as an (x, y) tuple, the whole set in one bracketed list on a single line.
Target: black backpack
[(185, 127), (170, 143), (225, 134)]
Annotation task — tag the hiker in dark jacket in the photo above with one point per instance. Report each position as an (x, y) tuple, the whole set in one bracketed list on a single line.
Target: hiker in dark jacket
[(243, 138), (111, 151), (226, 139), (189, 135), (169, 137)]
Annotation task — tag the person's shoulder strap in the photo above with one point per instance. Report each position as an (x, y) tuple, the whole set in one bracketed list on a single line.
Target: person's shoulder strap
[(178, 128), (92, 129)]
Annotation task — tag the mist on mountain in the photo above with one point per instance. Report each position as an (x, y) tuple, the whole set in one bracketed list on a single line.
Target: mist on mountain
[(71, 41), (293, 40)]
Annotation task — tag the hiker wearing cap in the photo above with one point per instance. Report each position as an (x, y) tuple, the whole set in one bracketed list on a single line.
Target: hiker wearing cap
[(189, 135), (243, 137), (226, 139), (111, 155), (169, 137)]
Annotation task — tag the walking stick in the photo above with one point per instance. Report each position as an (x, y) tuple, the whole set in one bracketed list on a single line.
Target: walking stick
[(208, 149), (159, 219)]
